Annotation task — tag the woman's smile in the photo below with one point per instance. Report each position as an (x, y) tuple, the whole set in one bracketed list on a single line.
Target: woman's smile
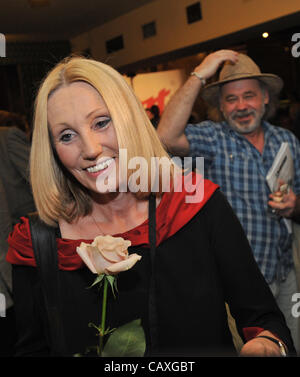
[(100, 167)]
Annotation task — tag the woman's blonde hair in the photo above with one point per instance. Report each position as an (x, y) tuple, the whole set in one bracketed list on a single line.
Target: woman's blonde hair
[(56, 193)]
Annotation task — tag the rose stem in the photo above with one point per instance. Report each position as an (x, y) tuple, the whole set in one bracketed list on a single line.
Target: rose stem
[(103, 318)]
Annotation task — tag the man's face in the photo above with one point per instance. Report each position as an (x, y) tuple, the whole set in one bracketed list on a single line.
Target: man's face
[(243, 103)]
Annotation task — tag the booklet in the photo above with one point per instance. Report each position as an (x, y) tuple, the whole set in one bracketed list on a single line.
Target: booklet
[(282, 169)]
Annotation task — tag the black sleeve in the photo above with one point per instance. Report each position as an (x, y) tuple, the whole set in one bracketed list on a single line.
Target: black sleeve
[(250, 299), (30, 313)]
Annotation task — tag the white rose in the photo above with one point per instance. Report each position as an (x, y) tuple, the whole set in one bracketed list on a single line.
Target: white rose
[(107, 255)]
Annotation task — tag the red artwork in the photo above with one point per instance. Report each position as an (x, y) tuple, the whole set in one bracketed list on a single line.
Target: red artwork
[(159, 100)]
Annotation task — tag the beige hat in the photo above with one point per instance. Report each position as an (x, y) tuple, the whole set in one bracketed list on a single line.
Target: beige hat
[(245, 68)]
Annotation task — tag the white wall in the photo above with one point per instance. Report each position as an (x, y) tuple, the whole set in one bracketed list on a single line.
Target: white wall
[(219, 17), (158, 87)]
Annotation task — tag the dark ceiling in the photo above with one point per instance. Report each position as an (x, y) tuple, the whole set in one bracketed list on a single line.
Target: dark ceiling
[(60, 19)]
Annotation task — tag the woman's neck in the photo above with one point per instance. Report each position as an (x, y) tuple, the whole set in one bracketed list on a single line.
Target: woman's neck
[(117, 206), (114, 215)]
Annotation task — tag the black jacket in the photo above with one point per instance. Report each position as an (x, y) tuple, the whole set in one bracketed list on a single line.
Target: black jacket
[(206, 263)]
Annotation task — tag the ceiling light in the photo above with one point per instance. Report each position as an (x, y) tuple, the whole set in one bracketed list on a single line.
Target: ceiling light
[(265, 34)]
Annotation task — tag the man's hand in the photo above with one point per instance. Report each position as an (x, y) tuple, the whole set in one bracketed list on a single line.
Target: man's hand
[(212, 62), (261, 347), (176, 114), (283, 201)]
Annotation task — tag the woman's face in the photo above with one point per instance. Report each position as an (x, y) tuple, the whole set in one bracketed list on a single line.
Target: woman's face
[(84, 135)]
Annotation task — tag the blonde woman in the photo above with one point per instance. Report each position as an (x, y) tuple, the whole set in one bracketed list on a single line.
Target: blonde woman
[(87, 120)]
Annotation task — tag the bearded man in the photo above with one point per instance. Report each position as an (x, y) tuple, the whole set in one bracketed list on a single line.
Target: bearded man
[(238, 152)]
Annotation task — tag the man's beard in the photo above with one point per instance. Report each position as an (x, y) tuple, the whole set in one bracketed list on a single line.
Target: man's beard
[(245, 127)]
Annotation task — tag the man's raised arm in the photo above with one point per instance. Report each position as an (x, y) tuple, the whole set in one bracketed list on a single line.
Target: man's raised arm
[(178, 110)]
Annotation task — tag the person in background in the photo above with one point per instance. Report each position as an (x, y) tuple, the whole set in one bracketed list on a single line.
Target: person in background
[(10, 119), (294, 113), (154, 115), (16, 201), (239, 151)]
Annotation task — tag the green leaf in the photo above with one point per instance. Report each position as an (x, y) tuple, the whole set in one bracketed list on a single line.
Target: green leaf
[(113, 283), (98, 328), (109, 331), (126, 341), (98, 280)]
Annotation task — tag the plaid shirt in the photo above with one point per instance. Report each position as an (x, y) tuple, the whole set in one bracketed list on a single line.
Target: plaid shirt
[(236, 165)]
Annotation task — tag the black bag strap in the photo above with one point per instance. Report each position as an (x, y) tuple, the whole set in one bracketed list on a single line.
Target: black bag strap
[(152, 294), (45, 252)]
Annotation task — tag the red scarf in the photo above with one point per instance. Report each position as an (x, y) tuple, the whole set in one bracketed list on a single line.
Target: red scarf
[(172, 213)]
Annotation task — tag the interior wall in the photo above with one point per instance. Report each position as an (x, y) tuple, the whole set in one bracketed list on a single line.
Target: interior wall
[(173, 32)]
